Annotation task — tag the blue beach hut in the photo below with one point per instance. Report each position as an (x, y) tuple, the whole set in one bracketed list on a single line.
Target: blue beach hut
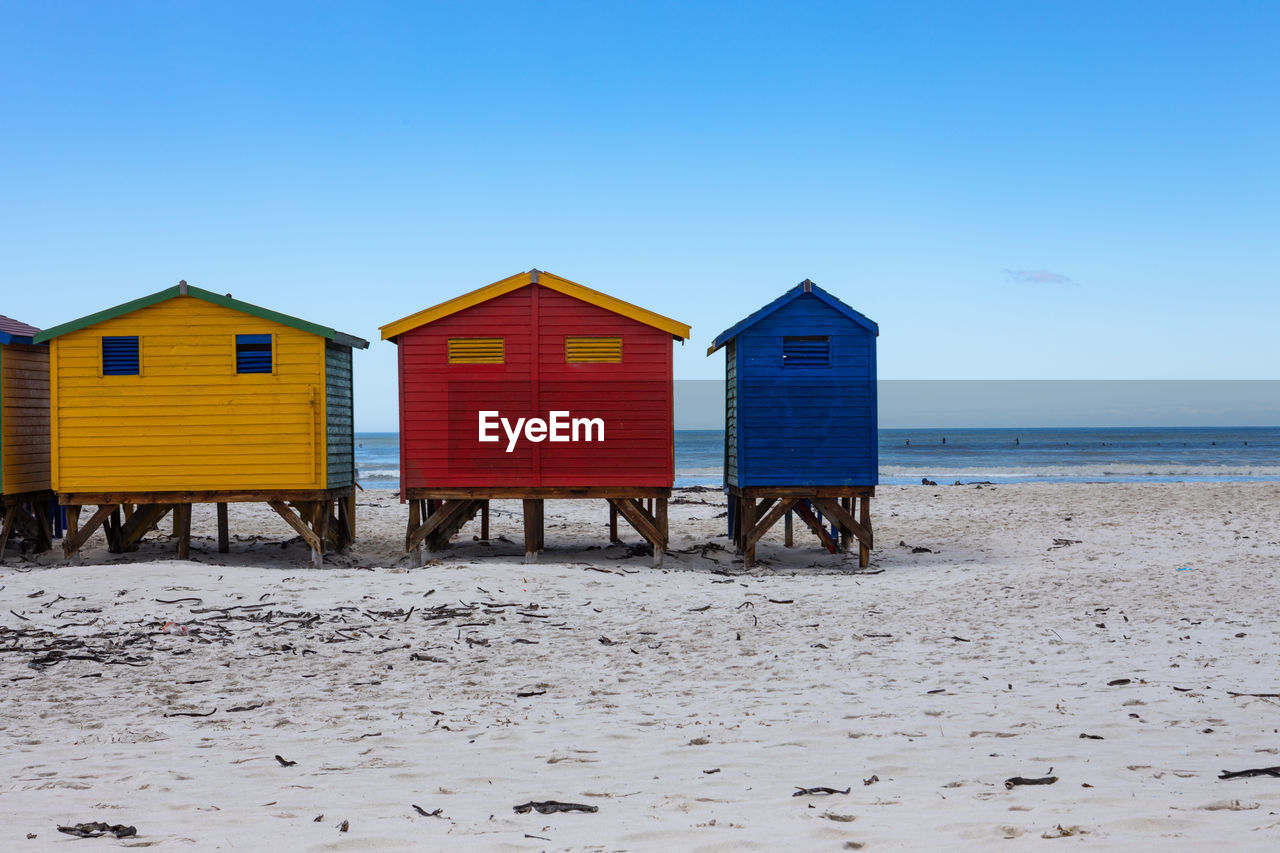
[(800, 419)]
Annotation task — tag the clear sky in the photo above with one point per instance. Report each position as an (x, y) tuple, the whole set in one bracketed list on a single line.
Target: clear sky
[(1029, 190)]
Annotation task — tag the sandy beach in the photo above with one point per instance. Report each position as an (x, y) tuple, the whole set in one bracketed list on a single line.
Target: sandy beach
[(1106, 636)]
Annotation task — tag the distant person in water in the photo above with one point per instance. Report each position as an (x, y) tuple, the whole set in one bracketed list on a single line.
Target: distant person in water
[(1017, 442), (944, 439)]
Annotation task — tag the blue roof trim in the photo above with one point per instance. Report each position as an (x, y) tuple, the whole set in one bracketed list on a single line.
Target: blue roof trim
[(785, 299), (6, 338)]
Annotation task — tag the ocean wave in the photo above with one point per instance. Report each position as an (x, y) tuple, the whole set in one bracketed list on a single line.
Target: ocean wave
[(714, 471), (378, 474), (1101, 471)]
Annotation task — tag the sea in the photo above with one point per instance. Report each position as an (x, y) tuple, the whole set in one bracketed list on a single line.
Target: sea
[(909, 456)]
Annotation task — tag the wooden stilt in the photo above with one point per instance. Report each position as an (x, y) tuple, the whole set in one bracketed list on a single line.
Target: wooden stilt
[(224, 534), (320, 523), (613, 523), (484, 521), (44, 531), (182, 521), (343, 525), (788, 538), (73, 541), (845, 533), (415, 521), (145, 517), (291, 518), (747, 524), (864, 546), (530, 530), (663, 527), (660, 548), (9, 516), (542, 525), (815, 524), (112, 527)]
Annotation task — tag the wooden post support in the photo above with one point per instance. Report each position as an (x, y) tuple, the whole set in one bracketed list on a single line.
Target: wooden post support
[(112, 528), (542, 524), (344, 526), (224, 535), (531, 516), (415, 521), (484, 521), (144, 518), (745, 525), (44, 531), (4, 532), (815, 524), (182, 521), (788, 538), (663, 527), (320, 523), (846, 534), (76, 536), (613, 523), (864, 548)]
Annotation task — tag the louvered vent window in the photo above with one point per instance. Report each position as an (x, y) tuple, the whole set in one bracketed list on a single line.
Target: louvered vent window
[(120, 356), (578, 350), (476, 351), (806, 351), (253, 353)]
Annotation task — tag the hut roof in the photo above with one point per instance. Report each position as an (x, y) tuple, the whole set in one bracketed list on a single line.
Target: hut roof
[(677, 330), (15, 332), (791, 295), (184, 289)]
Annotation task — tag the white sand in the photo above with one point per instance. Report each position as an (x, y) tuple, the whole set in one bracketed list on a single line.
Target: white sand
[(945, 674)]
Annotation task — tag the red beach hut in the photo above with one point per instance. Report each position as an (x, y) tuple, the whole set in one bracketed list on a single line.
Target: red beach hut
[(534, 387)]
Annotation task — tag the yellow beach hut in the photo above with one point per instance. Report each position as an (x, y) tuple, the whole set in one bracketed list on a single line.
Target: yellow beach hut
[(187, 396), (25, 496)]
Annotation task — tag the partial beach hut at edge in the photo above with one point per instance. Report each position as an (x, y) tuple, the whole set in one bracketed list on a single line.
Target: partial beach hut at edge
[(800, 420), (187, 396), (535, 388), (25, 494)]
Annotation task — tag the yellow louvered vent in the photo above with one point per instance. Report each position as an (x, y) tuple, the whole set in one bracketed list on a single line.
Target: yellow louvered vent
[(476, 351), (593, 349)]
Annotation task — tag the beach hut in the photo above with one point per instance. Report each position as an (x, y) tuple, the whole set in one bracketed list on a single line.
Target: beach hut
[(187, 396), (531, 388), (25, 495), (800, 429)]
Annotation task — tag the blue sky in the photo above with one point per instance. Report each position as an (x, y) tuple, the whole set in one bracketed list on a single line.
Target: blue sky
[(1033, 190)]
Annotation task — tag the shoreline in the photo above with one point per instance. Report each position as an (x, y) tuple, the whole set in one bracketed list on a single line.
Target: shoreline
[(688, 704)]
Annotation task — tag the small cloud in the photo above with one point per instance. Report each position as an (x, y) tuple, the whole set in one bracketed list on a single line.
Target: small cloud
[(1037, 277)]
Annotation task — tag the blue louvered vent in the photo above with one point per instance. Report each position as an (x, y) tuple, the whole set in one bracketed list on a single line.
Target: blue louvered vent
[(253, 353), (120, 356), (806, 351)]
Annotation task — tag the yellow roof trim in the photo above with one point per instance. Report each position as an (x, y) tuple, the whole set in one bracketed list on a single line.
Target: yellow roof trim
[(546, 279)]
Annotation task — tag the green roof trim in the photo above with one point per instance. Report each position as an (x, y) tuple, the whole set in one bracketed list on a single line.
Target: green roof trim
[(208, 296)]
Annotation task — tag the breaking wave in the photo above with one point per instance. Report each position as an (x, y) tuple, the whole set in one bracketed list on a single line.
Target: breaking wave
[(1119, 472)]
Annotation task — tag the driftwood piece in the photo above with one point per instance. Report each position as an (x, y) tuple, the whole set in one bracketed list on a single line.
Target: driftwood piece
[(97, 829), (820, 791), (1255, 771), (551, 807), (1014, 781)]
